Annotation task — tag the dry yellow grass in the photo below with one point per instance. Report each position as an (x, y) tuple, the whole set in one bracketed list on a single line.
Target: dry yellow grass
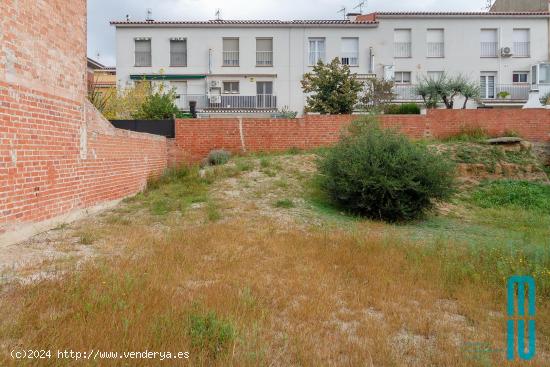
[(304, 295)]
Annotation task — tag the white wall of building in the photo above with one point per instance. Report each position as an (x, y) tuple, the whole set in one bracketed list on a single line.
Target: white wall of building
[(291, 51)]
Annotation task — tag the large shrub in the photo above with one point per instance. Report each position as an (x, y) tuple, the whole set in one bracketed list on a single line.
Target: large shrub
[(380, 174)]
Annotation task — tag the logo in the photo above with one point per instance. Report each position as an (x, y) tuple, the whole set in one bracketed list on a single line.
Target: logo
[(520, 318)]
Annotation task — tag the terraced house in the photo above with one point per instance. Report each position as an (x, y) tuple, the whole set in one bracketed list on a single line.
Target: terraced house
[(257, 65)]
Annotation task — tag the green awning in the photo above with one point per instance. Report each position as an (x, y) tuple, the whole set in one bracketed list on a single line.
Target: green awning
[(165, 77)]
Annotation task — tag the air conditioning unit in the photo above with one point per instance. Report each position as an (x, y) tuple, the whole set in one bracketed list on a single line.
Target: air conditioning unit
[(215, 99), (506, 52), (215, 84)]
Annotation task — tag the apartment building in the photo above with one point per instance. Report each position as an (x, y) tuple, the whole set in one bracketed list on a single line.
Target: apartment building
[(228, 65)]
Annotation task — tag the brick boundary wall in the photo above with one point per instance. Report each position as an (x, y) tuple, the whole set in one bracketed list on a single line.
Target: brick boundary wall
[(196, 137), (59, 158)]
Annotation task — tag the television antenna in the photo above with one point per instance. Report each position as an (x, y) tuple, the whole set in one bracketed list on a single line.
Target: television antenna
[(360, 6), (343, 10), (218, 14), (149, 15), (488, 5)]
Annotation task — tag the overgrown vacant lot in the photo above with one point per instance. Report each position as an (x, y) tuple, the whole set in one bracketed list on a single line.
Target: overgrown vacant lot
[(247, 264)]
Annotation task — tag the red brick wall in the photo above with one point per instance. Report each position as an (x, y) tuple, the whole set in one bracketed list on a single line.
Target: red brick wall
[(57, 153), (195, 138)]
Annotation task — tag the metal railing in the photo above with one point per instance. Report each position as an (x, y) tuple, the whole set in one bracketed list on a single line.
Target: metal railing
[(436, 49), (516, 92), (406, 92), (178, 59), (489, 49), (231, 58), (264, 58), (142, 58), (227, 102), (402, 49), (522, 49), (350, 58)]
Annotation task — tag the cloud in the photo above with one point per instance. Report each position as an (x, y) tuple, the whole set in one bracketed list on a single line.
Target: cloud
[(101, 36)]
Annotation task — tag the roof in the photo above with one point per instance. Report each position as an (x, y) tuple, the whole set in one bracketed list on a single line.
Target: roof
[(214, 23), (463, 14), (92, 64)]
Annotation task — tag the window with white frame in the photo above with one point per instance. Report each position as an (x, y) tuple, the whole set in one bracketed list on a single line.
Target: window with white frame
[(264, 51), (350, 51), (142, 51), (520, 77), (402, 43), (231, 87), (178, 52), (489, 43), (436, 43), (402, 77), (435, 75), (317, 50), (230, 52), (522, 44)]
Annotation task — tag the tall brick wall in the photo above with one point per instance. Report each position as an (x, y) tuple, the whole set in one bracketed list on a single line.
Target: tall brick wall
[(57, 153), (195, 138)]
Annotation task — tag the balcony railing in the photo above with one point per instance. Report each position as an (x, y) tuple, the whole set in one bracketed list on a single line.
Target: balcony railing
[(515, 92), (402, 49), (228, 103), (436, 49), (231, 58), (350, 58), (522, 49), (143, 58), (489, 49), (405, 92), (264, 58)]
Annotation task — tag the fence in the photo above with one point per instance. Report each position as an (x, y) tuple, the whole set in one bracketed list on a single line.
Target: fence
[(156, 127)]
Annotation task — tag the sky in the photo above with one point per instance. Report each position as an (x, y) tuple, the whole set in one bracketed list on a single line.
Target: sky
[(101, 35)]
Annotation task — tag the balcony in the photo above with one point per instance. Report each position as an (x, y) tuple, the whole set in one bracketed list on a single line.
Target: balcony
[(264, 58), (402, 49), (436, 49), (231, 58), (517, 92), (522, 49), (406, 92), (142, 58), (226, 103), (350, 58), (489, 49)]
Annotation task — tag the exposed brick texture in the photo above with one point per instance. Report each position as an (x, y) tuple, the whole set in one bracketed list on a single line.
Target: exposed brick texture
[(57, 153), (195, 138)]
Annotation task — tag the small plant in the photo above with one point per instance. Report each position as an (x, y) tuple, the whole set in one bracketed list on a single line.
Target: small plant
[(218, 157), (284, 204), (211, 334), (402, 109), (545, 100), (157, 106), (503, 95), (381, 174), (286, 113), (87, 237), (468, 134), (515, 194), (212, 212)]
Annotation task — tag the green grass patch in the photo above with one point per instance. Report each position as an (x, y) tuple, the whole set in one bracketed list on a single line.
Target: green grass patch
[(513, 194), (284, 204), (211, 333)]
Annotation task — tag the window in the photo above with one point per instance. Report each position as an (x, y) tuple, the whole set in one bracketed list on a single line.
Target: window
[(435, 75), (142, 52), (436, 43), (402, 77), (402, 43), (230, 52), (520, 77), (264, 51), (489, 43), (522, 44), (178, 52), (264, 95), (487, 85), (350, 51), (316, 50), (230, 87)]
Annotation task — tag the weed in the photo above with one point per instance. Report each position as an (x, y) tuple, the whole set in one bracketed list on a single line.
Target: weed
[(516, 194), (469, 134), (213, 212), (87, 237), (210, 333)]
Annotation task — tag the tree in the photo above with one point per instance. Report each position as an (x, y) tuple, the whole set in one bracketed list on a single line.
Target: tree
[(446, 89), (333, 88), (378, 93), (158, 105)]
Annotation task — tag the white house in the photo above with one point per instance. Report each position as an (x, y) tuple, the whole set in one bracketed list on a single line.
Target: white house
[(232, 65)]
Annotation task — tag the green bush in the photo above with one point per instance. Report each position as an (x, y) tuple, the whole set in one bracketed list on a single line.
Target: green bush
[(158, 106), (380, 174), (402, 109), (516, 194), (218, 157), (210, 334)]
